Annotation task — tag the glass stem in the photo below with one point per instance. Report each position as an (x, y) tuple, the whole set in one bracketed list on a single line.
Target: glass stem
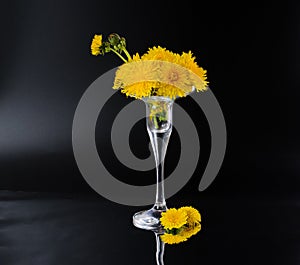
[(159, 143)]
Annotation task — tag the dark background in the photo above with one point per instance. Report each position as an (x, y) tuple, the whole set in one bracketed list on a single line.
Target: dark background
[(251, 53)]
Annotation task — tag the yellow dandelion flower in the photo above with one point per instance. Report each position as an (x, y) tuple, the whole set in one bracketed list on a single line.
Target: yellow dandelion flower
[(96, 44), (193, 215), (172, 239), (176, 76), (190, 231), (197, 74), (136, 78), (193, 225), (173, 218)]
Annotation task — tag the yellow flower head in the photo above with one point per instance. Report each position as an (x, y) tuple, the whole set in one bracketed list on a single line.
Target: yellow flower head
[(197, 74), (172, 239), (193, 225), (96, 44), (175, 80), (193, 215), (173, 218), (178, 74), (136, 78)]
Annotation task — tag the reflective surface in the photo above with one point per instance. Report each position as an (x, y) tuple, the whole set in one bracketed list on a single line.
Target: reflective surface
[(51, 229)]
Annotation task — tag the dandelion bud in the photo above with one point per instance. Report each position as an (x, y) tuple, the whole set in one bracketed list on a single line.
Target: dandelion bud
[(114, 39)]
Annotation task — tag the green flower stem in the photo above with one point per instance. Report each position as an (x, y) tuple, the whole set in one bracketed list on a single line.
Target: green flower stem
[(127, 54), (155, 122), (119, 55)]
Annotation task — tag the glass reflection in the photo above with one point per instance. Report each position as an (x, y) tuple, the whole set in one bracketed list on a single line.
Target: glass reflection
[(160, 249)]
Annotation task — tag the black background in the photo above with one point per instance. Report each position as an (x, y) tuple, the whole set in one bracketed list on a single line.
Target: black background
[(251, 53)]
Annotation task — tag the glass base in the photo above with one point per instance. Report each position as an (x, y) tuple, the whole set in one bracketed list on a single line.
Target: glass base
[(149, 219)]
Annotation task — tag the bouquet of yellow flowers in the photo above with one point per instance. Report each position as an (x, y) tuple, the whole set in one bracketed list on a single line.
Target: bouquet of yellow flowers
[(158, 72)]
